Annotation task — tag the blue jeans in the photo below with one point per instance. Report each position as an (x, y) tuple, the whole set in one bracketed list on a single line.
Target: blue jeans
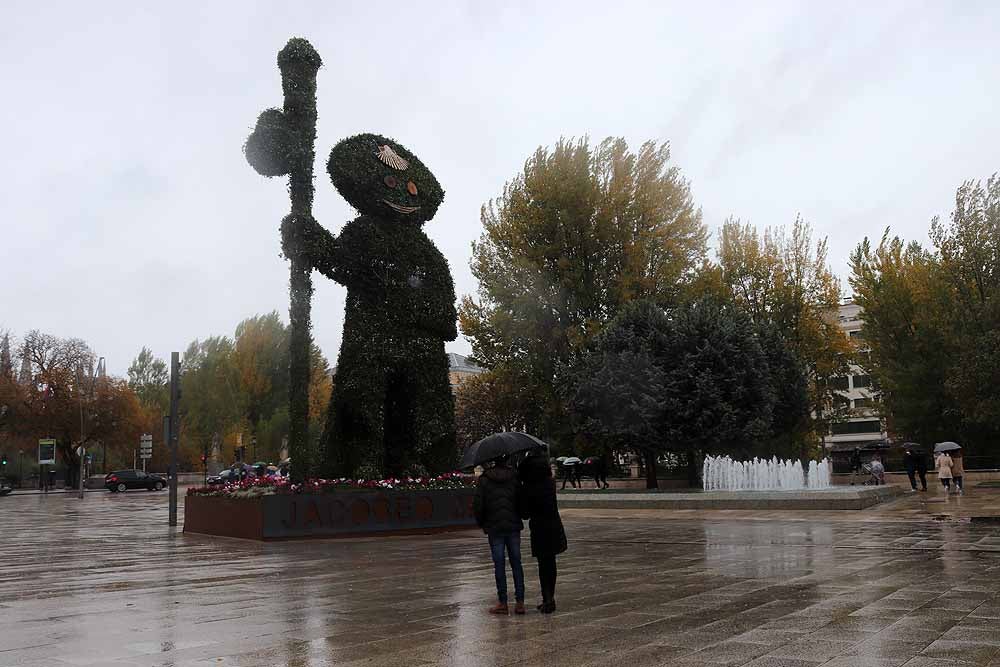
[(512, 545)]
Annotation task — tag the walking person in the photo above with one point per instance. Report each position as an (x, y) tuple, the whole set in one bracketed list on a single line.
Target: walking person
[(568, 475), (496, 510), (600, 472), (916, 465), (943, 463), (548, 538), (958, 471), (855, 464)]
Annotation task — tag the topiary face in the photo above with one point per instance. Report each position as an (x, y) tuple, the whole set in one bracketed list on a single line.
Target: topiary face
[(382, 179)]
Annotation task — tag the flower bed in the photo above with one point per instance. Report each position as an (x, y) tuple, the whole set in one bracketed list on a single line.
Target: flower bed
[(254, 488), (265, 510)]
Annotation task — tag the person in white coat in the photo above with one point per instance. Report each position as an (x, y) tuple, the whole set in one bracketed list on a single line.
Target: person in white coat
[(944, 464)]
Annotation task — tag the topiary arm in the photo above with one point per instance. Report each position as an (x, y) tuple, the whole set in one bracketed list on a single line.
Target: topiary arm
[(440, 315), (302, 236)]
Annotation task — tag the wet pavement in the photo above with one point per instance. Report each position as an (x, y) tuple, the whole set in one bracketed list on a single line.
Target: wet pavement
[(103, 581)]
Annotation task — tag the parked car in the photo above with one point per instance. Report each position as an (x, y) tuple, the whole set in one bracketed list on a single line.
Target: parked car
[(5, 487), (220, 479), (122, 480)]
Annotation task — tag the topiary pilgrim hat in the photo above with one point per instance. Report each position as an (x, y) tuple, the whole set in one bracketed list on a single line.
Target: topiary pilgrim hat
[(382, 179)]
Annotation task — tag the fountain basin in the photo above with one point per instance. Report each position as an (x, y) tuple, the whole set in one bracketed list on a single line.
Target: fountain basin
[(834, 498)]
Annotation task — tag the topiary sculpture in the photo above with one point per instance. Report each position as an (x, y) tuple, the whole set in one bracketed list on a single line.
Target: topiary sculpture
[(392, 409)]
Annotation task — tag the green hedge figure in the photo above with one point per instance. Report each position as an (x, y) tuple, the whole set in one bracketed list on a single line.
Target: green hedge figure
[(392, 410)]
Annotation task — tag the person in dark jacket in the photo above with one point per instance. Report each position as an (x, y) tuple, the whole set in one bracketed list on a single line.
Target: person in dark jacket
[(600, 467), (855, 464), (496, 509), (916, 464), (548, 538)]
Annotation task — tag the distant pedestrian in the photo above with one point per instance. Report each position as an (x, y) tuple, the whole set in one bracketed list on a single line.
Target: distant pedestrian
[(600, 467), (496, 510), (548, 538), (568, 474), (958, 471), (915, 465), (855, 464), (943, 463), (878, 471)]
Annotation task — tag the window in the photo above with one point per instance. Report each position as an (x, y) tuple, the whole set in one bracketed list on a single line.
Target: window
[(839, 383), (862, 402), (856, 334), (862, 381), (850, 428)]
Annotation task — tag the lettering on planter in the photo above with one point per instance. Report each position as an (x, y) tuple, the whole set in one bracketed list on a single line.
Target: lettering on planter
[(348, 513)]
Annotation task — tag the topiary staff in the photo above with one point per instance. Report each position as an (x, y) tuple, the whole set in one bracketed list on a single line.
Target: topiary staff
[(283, 143)]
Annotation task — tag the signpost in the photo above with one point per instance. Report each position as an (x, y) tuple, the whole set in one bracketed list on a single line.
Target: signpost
[(174, 428), (145, 449)]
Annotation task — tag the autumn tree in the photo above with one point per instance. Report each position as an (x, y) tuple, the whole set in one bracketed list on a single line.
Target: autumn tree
[(580, 232), (488, 403), (148, 377), (932, 322), (63, 397), (784, 281)]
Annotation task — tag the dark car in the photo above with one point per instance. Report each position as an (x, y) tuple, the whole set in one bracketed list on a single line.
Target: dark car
[(5, 487), (123, 480)]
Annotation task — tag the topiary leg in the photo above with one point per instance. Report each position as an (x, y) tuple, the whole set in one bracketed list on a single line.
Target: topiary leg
[(432, 419), (352, 439)]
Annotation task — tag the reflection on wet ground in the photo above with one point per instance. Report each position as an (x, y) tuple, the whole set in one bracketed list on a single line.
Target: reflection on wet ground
[(103, 581)]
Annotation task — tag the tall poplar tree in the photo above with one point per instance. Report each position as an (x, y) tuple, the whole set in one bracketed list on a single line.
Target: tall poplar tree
[(580, 232)]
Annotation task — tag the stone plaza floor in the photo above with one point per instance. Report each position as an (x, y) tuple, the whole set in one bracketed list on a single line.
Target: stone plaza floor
[(103, 581)]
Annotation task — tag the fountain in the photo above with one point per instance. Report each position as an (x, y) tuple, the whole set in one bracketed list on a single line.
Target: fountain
[(721, 473)]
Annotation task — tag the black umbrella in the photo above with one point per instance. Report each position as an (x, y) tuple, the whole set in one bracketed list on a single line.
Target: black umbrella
[(499, 444)]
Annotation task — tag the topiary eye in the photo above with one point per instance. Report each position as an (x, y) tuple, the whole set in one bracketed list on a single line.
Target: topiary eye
[(390, 181), (411, 187)]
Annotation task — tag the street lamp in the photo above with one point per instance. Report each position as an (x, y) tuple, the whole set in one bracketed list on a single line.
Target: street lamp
[(81, 450)]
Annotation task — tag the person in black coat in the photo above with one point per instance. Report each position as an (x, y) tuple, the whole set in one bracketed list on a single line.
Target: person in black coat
[(600, 467), (548, 538), (916, 464), (496, 508)]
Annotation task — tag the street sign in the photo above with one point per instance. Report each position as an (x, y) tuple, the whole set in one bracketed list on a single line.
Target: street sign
[(46, 452), (146, 446)]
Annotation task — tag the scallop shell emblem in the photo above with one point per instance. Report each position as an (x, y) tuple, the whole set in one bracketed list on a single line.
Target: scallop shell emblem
[(389, 157)]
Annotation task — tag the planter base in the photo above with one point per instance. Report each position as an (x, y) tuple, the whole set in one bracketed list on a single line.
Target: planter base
[(346, 514)]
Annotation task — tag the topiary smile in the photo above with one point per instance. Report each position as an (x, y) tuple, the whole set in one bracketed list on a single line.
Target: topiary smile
[(401, 209)]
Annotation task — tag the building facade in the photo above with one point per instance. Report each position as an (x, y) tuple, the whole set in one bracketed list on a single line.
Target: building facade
[(460, 368), (862, 424)]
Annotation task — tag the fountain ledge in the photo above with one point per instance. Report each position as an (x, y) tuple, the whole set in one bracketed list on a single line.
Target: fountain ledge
[(834, 498)]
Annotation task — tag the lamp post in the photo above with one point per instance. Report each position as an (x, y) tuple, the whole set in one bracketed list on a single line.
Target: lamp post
[(20, 468), (81, 450)]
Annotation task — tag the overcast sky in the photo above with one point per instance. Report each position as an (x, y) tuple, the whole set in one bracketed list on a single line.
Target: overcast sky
[(130, 217)]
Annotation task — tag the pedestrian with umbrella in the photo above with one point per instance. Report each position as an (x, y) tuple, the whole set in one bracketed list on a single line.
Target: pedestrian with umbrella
[(568, 468), (548, 537), (957, 465), (496, 508), (944, 463)]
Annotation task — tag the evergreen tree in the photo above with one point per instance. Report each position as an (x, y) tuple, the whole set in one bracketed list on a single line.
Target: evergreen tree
[(6, 366)]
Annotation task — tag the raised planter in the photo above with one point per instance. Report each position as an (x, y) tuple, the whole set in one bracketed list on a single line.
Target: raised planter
[(338, 514)]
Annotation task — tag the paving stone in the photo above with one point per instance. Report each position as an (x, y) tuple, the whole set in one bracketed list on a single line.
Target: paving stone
[(768, 589)]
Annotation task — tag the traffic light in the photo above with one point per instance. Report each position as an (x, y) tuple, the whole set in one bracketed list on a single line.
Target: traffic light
[(204, 459), (3, 459)]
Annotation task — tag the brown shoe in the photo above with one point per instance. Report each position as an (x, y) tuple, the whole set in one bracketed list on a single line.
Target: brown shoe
[(519, 608), (500, 609)]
